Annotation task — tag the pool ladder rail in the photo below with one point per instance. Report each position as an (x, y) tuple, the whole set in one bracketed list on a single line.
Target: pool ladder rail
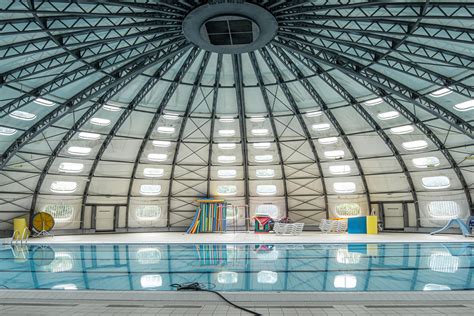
[(23, 237)]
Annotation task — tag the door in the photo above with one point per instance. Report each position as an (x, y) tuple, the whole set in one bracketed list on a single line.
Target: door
[(393, 215), (105, 218)]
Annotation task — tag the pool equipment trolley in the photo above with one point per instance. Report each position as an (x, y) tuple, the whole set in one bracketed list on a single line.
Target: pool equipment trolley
[(210, 217)]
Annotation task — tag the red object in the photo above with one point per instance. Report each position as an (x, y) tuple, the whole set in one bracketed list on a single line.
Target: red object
[(263, 220)]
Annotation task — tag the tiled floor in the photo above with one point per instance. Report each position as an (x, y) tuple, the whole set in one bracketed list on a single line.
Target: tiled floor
[(306, 237), (54, 303)]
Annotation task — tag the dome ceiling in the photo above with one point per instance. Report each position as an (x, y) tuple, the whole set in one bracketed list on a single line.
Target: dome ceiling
[(306, 105)]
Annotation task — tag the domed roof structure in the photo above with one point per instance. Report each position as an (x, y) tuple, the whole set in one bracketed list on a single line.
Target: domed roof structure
[(310, 109)]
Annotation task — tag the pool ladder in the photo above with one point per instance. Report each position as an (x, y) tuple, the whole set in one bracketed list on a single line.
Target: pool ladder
[(23, 237)]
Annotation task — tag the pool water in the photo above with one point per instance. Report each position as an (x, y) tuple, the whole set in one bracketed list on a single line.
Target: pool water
[(241, 267)]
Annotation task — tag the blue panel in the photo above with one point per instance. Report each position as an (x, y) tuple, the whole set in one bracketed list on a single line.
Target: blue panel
[(357, 225)]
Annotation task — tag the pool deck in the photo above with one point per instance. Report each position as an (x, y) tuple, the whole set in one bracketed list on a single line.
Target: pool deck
[(248, 238), (44, 302)]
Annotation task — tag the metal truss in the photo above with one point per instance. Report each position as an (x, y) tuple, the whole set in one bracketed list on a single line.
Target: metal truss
[(341, 91), (239, 90), (169, 93), (402, 110), (197, 80), (118, 76), (147, 87), (271, 64), (353, 48), (165, 55), (101, 64), (345, 10), (317, 98), (213, 120), (350, 66), (266, 100)]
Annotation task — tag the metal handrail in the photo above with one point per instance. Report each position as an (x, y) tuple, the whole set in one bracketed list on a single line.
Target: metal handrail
[(25, 233), (13, 236)]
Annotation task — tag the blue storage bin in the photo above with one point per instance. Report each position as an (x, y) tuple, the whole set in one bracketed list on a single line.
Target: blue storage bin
[(357, 225)]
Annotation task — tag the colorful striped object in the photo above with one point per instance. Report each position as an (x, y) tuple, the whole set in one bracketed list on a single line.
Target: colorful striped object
[(210, 217)]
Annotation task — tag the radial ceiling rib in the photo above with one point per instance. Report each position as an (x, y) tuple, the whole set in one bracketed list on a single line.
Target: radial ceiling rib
[(271, 64), (268, 107), (380, 9), (159, 111), (104, 98), (146, 88), (402, 110), (365, 115), (103, 64), (187, 112), (119, 75), (239, 90), (316, 97), (217, 77), (352, 67)]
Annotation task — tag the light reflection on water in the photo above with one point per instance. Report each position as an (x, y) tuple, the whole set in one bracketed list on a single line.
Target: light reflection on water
[(241, 267)]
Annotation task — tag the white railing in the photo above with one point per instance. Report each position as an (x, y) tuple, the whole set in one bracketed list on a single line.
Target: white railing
[(23, 237)]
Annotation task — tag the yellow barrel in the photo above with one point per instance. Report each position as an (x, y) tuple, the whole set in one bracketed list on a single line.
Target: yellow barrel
[(372, 224), (19, 225)]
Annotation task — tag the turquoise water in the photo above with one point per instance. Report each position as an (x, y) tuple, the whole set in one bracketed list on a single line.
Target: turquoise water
[(237, 267)]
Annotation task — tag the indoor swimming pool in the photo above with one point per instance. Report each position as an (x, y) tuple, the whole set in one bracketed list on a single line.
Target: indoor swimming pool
[(240, 267)]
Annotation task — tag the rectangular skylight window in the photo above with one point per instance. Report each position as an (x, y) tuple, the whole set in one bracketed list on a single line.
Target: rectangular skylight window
[(171, 116), (111, 108), (465, 106), (226, 190), (166, 129), (150, 189), (264, 173), (264, 158), (226, 132), (100, 121), (313, 114), (259, 131), (227, 173), (71, 167), (261, 145), (415, 145), (373, 102), (226, 119), (436, 183), (327, 141), (22, 115), (161, 143), (5, 131), (79, 151), (340, 169), (320, 127), (441, 92), (344, 187), (63, 187), (390, 115), (44, 102), (257, 119), (226, 146), (266, 189), (426, 162), (226, 159), (89, 136), (153, 172), (400, 130), (157, 157), (334, 154)]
